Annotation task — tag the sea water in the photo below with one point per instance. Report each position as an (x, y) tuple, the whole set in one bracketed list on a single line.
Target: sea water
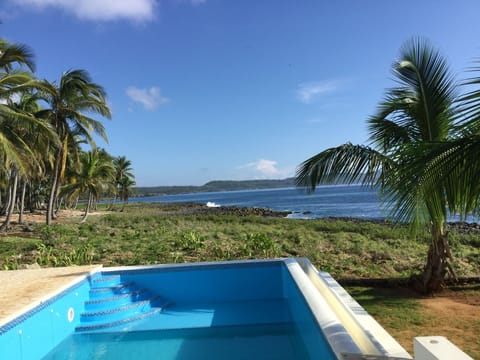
[(327, 201)]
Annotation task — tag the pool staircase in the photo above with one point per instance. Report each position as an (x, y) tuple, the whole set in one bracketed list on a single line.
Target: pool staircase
[(113, 302)]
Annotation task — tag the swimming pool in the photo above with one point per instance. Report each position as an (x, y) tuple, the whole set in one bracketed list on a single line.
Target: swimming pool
[(267, 309)]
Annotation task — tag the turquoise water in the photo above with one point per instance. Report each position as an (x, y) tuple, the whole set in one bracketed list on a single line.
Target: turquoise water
[(278, 341)]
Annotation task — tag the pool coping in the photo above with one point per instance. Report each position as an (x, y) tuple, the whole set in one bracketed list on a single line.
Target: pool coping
[(24, 291)]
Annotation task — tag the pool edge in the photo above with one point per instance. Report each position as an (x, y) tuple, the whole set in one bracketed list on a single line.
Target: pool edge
[(40, 301)]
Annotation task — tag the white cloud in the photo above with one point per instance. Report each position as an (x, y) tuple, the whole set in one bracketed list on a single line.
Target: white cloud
[(149, 98), (308, 92), (266, 168), (198, 2), (103, 10)]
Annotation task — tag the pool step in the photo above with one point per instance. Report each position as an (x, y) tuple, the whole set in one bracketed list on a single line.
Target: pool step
[(103, 281), (106, 303), (111, 324), (114, 302), (111, 291)]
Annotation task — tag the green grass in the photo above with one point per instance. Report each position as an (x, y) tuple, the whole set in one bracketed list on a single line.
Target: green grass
[(159, 233), (397, 309)]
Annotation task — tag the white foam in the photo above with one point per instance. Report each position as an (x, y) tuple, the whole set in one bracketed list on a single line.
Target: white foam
[(212, 204)]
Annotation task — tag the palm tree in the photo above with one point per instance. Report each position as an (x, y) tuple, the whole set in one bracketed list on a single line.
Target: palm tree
[(123, 175), (457, 162), (14, 55), (69, 99), (415, 118), (126, 190), (31, 131), (95, 173), (14, 151)]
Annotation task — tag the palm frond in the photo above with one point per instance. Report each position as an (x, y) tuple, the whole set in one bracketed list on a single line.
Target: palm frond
[(346, 163)]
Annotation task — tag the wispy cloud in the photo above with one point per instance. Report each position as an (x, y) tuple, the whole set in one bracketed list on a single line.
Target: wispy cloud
[(198, 2), (99, 10), (310, 91), (149, 98), (266, 168)]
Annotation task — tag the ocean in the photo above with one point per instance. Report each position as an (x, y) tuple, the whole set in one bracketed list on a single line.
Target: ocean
[(326, 201)]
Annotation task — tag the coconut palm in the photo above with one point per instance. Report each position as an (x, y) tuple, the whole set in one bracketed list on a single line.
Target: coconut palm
[(14, 150), (416, 118), (457, 162), (13, 58), (126, 190), (123, 170), (68, 102), (32, 132), (94, 174), (13, 55)]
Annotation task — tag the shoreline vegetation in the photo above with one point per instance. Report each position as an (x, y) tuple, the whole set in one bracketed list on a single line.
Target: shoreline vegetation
[(348, 248), (354, 251)]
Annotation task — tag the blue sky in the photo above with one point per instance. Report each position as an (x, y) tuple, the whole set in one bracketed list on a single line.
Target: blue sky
[(206, 90)]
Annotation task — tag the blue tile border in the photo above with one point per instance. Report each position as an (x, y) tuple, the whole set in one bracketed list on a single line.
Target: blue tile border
[(191, 266), (20, 319)]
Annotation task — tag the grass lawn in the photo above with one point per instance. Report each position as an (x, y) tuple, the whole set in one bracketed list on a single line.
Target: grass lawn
[(168, 233)]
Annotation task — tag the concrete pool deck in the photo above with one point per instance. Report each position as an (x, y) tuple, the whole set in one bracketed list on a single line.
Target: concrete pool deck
[(22, 290)]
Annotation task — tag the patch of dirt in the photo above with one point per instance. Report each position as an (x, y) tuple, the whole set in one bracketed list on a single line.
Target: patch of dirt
[(453, 314), (38, 217)]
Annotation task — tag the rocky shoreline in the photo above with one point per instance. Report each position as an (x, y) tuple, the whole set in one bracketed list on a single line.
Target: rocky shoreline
[(192, 208)]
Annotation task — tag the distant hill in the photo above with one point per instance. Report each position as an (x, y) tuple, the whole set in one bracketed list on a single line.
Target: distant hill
[(216, 185)]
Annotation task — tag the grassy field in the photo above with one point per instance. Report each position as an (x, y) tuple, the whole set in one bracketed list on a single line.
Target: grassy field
[(166, 233)]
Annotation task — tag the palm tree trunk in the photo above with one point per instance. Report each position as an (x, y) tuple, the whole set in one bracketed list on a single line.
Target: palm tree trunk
[(437, 267), (22, 203), (53, 189), (11, 206), (110, 208), (75, 203), (87, 208)]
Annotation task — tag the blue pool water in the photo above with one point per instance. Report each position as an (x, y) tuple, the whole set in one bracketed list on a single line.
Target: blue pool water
[(210, 311), (278, 341)]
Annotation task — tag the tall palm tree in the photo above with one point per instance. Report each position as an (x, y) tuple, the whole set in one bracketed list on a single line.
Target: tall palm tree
[(95, 173), (13, 58), (416, 116), (457, 162), (69, 100), (32, 131), (126, 190), (14, 55), (14, 150), (123, 175)]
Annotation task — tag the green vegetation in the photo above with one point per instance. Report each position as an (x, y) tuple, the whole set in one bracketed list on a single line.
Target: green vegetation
[(423, 155), (166, 233)]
